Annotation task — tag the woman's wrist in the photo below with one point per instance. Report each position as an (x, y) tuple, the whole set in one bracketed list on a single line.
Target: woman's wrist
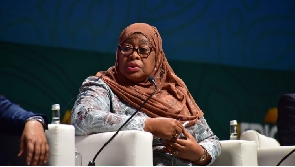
[(204, 158), (147, 127)]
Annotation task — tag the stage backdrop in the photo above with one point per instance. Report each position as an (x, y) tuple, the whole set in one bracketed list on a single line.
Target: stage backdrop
[(237, 57), (37, 77), (247, 33)]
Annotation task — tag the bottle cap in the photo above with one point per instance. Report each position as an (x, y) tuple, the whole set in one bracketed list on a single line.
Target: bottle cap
[(55, 107), (233, 122)]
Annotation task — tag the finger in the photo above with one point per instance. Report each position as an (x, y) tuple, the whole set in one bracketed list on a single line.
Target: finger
[(22, 148), (37, 151), (167, 150), (47, 151), (180, 143), (178, 124), (174, 144), (30, 148), (168, 146), (187, 138), (177, 132), (42, 154), (187, 134), (174, 135), (174, 139), (174, 151), (180, 128)]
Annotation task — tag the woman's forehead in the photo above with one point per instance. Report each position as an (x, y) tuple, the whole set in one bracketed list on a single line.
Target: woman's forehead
[(148, 31), (141, 38)]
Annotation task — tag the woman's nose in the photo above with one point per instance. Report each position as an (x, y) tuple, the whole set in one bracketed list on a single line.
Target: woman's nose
[(134, 55)]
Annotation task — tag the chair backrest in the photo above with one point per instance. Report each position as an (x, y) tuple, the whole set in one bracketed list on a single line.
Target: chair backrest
[(128, 148), (262, 141)]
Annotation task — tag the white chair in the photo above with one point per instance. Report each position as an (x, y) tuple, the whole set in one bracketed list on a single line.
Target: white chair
[(130, 148), (269, 151), (237, 153), (61, 140), (135, 148)]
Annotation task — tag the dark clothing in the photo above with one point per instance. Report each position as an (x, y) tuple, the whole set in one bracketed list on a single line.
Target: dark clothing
[(286, 120), (13, 117), (12, 122)]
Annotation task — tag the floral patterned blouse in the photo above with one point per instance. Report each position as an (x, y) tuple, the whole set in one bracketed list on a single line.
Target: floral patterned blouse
[(97, 109)]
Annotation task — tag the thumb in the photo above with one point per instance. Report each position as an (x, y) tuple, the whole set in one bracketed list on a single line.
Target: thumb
[(187, 134)]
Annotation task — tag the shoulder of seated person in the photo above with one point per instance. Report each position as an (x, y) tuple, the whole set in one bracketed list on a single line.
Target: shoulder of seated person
[(290, 96)]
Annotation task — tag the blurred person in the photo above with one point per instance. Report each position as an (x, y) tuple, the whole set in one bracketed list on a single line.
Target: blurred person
[(286, 120), (15, 120)]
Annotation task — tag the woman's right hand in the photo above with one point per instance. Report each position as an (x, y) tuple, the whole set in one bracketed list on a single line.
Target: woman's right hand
[(165, 128)]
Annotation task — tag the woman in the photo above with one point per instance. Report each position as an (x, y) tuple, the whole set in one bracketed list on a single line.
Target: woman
[(108, 99)]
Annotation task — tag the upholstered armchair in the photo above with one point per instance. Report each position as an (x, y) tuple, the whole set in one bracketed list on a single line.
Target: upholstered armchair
[(237, 153), (130, 148), (269, 151)]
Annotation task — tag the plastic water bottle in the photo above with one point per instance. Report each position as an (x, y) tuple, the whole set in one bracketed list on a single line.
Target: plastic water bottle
[(78, 158), (233, 130), (55, 114)]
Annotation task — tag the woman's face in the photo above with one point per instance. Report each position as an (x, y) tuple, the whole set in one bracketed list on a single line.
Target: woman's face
[(136, 58)]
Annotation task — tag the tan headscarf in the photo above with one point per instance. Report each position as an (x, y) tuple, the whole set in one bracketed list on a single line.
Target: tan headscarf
[(172, 98)]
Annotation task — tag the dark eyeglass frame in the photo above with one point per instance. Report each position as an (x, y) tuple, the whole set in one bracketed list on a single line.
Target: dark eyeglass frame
[(137, 50)]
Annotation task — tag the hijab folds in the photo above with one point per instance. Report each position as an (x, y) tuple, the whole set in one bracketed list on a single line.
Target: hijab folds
[(172, 98)]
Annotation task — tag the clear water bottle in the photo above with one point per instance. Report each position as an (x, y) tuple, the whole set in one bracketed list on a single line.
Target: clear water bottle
[(78, 158), (55, 114), (233, 130)]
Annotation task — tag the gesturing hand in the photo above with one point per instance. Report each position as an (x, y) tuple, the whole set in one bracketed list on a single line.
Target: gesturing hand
[(188, 148), (33, 140), (165, 128)]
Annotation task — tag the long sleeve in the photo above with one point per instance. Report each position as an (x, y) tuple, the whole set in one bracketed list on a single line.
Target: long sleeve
[(98, 109), (12, 117), (203, 135), (206, 138)]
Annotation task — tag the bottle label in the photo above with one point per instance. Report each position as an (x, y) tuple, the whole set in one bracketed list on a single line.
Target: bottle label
[(233, 136), (55, 117)]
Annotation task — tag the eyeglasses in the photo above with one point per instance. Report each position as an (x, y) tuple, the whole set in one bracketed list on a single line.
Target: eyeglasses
[(143, 52)]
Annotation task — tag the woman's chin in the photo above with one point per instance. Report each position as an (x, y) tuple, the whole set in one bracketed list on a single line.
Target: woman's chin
[(135, 77)]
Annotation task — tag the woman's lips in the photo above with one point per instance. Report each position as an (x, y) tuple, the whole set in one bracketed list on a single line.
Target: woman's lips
[(132, 67)]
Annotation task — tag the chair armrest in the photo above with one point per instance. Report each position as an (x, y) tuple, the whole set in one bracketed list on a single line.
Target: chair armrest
[(61, 140), (261, 140), (237, 153), (272, 156), (128, 148)]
